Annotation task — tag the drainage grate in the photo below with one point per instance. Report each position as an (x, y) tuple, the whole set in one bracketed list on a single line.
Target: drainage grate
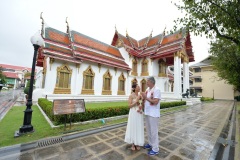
[(49, 142)]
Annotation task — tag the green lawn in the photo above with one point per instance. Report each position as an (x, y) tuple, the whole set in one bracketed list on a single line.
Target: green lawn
[(14, 119)]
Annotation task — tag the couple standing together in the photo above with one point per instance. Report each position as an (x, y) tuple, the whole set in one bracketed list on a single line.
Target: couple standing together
[(135, 126)]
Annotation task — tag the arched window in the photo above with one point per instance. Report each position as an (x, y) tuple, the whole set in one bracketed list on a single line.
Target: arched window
[(144, 67), (162, 68), (121, 85), (134, 67), (134, 81), (107, 79), (88, 81), (143, 85), (63, 82)]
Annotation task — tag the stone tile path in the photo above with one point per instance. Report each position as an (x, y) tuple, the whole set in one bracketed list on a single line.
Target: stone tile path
[(185, 135)]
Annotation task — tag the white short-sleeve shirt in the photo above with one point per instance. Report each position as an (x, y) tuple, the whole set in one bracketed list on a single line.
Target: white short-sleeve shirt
[(152, 110)]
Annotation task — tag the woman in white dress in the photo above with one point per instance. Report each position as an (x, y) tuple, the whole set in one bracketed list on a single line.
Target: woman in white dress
[(135, 126)]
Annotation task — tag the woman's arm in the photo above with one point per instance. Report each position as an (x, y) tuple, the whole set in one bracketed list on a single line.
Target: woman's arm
[(130, 102)]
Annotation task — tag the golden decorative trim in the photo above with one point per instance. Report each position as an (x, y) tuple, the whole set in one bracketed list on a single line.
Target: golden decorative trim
[(120, 92), (105, 76), (88, 91), (78, 66), (121, 78), (62, 90), (144, 74), (134, 80), (162, 75), (51, 60), (106, 92), (134, 73), (145, 65), (177, 54), (67, 70), (143, 82), (99, 67), (88, 72), (162, 66), (44, 71)]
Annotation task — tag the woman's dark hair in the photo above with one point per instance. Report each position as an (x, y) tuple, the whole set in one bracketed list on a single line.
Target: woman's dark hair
[(134, 87)]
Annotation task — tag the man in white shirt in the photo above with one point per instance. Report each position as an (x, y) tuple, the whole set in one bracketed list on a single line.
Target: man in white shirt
[(152, 99)]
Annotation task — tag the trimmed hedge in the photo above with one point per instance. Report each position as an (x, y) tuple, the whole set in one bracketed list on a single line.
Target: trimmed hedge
[(206, 99), (96, 113), (237, 98)]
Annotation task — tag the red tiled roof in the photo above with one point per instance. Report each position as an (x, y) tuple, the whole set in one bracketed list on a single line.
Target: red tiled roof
[(58, 45), (159, 45), (16, 68), (56, 36), (92, 43), (142, 42), (11, 75)]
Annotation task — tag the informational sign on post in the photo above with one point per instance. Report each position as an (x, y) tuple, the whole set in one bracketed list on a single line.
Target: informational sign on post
[(68, 106)]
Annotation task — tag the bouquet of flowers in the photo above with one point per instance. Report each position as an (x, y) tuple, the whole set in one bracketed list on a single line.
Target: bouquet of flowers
[(140, 105)]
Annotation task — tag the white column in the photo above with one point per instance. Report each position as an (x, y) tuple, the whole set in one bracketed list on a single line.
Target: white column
[(15, 83), (187, 75), (176, 76), (180, 76), (185, 78)]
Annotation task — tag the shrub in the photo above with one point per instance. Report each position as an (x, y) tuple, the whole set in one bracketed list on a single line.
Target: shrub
[(206, 99), (93, 113), (237, 98)]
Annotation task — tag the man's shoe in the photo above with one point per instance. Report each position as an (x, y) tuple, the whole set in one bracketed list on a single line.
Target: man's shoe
[(147, 146), (152, 153)]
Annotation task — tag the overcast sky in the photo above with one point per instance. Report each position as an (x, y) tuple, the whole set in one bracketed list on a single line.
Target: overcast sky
[(20, 19)]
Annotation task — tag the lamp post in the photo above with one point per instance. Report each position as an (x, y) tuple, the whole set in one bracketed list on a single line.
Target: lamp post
[(37, 42)]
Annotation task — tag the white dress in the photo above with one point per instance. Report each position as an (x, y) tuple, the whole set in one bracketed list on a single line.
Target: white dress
[(135, 127)]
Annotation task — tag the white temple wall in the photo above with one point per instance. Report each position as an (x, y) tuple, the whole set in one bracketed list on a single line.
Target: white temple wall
[(77, 77), (125, 56), (154, 68), (39, 77)]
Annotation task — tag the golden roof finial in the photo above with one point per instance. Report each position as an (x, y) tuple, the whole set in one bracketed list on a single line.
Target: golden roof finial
[(67, 25), (126, 33), (42, 31), (164, 30)]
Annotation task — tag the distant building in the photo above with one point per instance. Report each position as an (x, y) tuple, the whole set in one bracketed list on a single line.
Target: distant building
[(15, 75), (207, 83)]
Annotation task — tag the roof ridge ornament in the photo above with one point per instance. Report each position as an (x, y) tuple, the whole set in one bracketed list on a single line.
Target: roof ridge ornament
[(128, 38), (160, 40), (67, 24), (42, 31), (150, 36), (70, 38), (164, 30), (116, 28)]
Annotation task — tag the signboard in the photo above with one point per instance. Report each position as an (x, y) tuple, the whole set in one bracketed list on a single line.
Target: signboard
[(68, 106)]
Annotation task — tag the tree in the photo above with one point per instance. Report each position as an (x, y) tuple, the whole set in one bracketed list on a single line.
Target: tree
[(217, 19), (226, 61), (2, 77), (27, 74)]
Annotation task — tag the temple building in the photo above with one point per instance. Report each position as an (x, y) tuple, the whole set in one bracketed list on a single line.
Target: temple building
[(77, 66)]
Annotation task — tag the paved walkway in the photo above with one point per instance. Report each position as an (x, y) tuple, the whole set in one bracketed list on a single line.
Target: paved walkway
[(185, 135), (8, 99)]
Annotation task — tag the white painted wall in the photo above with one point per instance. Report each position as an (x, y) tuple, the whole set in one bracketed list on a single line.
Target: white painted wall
[(77, 79)]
